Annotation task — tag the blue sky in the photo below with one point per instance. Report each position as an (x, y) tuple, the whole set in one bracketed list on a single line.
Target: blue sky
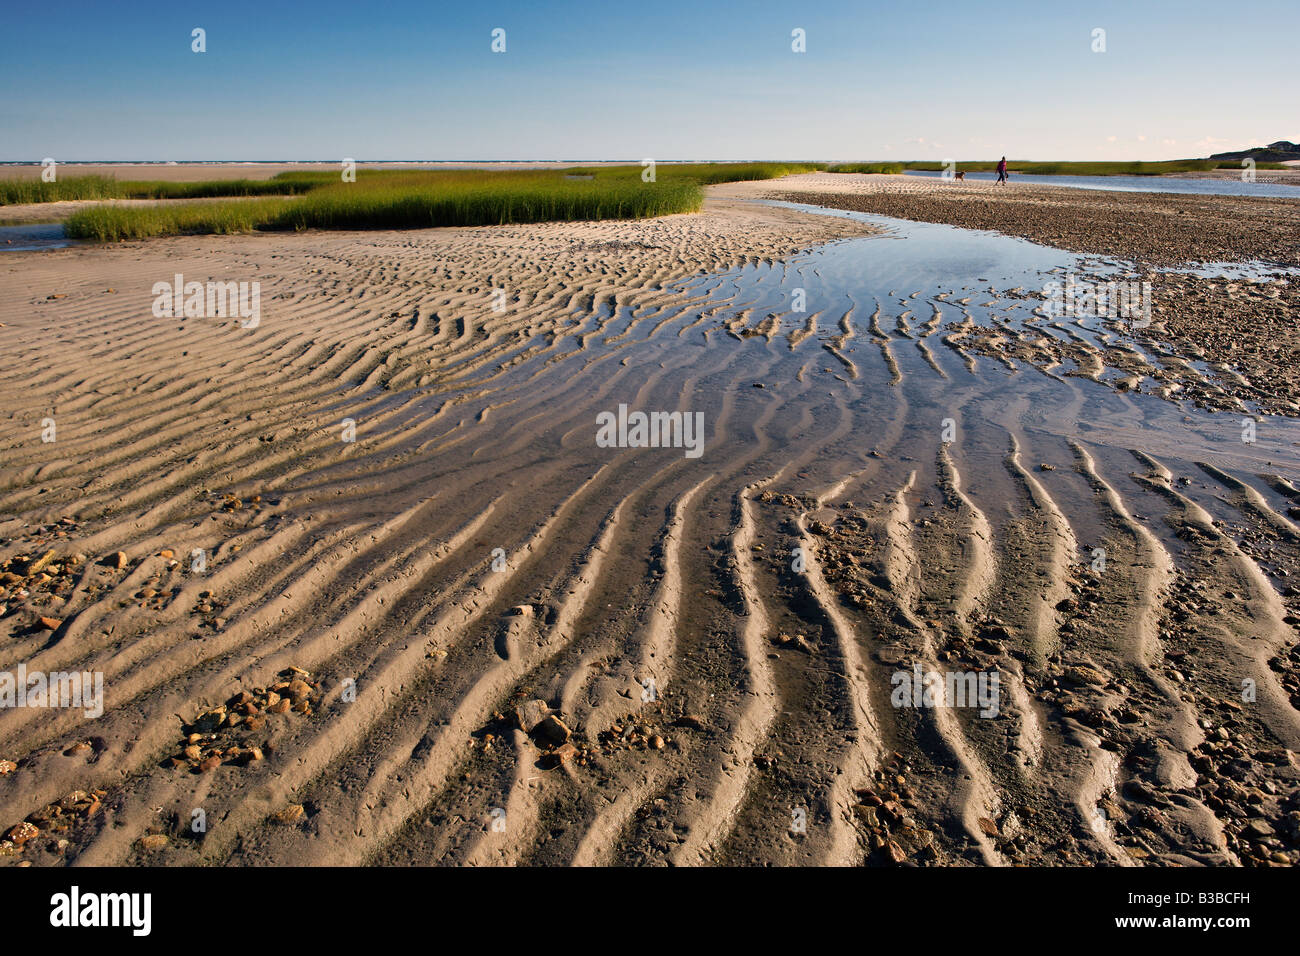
[(663, 79)]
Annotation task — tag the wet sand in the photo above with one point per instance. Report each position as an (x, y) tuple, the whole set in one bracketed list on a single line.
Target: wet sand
[(1153, 228), (474, 635), (1244, 331)]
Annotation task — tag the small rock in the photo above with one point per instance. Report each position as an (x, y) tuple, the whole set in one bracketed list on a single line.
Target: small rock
[(1085, 675), (153, 841), (21, 833), (39, 564), (531, 713), (551, 730), (891, 654), (1259, 828), (289, 815)]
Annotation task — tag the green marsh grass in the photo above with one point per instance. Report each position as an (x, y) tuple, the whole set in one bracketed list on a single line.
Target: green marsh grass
[(21, 191), (14, 192), (401, 199), (892, 169), (109, 223)]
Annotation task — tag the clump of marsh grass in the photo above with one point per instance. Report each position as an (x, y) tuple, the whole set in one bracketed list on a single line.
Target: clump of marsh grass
[(112, 223), (412, 199), (892, 169), (15, 192)]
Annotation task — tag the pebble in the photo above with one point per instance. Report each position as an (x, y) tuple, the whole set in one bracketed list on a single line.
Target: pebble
[(551, 730), (531, 713), (21, 833), (289, 815)]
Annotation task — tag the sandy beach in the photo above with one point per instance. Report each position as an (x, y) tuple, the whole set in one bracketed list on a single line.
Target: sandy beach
[(365, 587)]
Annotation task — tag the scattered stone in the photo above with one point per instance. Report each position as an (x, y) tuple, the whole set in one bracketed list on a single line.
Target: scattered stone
[(563, 754), (20, 834), (1259, 828), (892, 654), (223, 734), (39, 564), (531, 713), (289, 815), (551, 730), (153, 841), (1085, 675)]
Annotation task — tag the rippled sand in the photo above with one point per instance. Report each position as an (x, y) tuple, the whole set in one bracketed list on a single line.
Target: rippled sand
[(728, 697)]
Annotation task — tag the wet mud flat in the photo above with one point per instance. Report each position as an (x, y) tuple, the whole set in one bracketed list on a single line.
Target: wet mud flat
[(477, 635)]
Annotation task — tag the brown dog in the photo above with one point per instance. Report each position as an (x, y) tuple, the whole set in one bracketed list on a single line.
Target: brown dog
[(960, 177)]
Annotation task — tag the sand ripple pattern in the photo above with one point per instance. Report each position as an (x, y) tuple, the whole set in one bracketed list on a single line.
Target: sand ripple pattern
[(721, 636)]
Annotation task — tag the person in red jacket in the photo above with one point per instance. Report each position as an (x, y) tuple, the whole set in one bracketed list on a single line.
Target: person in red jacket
[(1002, 170)]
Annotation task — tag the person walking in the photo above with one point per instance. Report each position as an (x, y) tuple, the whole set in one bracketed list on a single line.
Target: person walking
[(1002, 170)]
